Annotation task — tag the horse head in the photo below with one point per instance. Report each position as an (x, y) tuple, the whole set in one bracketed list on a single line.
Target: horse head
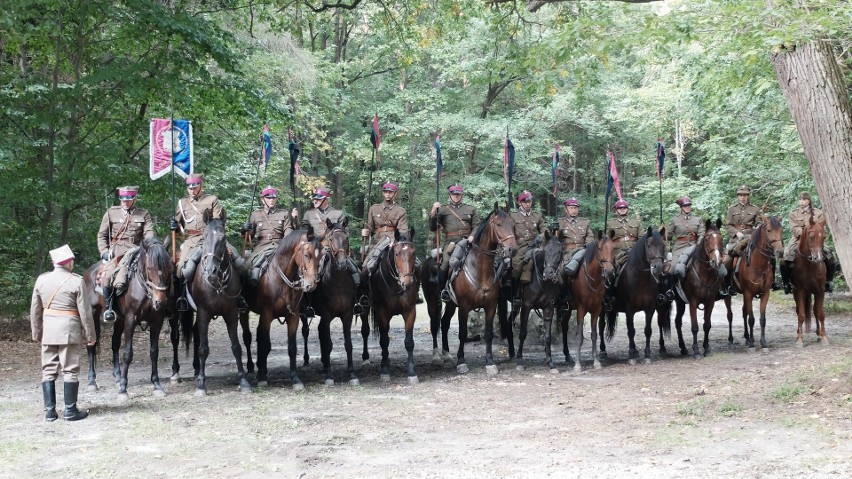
[(404, 259), (712, 243), (501, 230), (552, 257), (215, 250), (337, 241), (606, 255), (812, 240), (157, 269), (772, 231), (306, 258), (655, 250)]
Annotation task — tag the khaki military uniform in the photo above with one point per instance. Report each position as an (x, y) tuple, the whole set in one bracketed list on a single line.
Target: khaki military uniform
[(121, 232), (457, 223), (269, 226), (740, 218), (315, 218), (61, 320), (190, 216), (627, 232), (684, 230), (384, 220), (799, 217), (576, 233), (527, 227)]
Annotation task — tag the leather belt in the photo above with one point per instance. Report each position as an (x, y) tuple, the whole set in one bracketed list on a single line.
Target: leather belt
[(61, 312), (385, 229), (194, 232), (570, 246), (689, 237)]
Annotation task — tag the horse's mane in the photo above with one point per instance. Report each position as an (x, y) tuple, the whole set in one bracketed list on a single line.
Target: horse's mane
[(755, 234), (477, 233), (153, 248), (289, 242), (591, 249), (637, 252), (699, 247)]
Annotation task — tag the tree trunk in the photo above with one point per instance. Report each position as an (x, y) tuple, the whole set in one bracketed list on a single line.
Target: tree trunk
[(812, 83)]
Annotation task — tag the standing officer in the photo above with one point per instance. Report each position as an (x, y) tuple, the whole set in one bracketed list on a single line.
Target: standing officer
[(267, 225), (316, 218), (383, 221), (741, 219), (685, 229), (61, 320), (121, 232), (457, 220), (576, 233), (799, 217), (527, 229)]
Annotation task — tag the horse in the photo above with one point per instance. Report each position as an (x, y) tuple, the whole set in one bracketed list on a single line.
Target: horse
[(149, 282), (292, 272), (542, 292), (637, 289), (477, 284), (700, 286), (753, 277), (808, 279), (335, 296), (215, 290), (393, 290), (587, 295)]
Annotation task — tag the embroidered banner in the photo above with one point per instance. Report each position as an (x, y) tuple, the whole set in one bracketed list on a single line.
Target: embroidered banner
[(171, 145)]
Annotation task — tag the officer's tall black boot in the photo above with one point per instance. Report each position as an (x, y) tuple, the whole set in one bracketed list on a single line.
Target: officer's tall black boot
[(49, 390), (774, 286), (364, 292), (830, 269), (109, 304), (785, 277), (71, 411), (442, 283), (182, 304), (517, 302)]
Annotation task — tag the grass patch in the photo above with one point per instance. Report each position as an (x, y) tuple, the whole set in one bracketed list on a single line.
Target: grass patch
[(730, 408), (694, 407), (789, 391)]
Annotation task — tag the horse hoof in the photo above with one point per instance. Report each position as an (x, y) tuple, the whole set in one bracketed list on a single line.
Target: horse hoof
[(329, 382), (354, 382), (751, 349), (519, 367), (647, 360), (436, 358), (696, 356), (633, 361), (263, 384), (462, 369), (366, 361), (123, 397), (598, 365), (602, 355), (448, 358), (245, 389), (412, 380), (298, 387), (491, 369), (766, 350), (578, 368), (175, 379), (385, 378), (159, 393), (553, 371), (200, 392), (92, 387)]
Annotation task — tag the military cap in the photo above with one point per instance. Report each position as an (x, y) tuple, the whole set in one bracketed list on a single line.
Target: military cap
[(194, 180), (525, 195), (621, 204), (62, 255), (321, 194), (389, 187), (571, 202), (805, 196), (127, 192), (743, 190), (684, 201), (456, 188), (269, 192)]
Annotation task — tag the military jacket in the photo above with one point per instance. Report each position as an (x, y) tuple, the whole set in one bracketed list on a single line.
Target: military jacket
[(576, 232), (385, 219), (270, 225), (122, 230), (315, 217), (458, 221), (627, 231), (60, 312), (741, 218), (685, 228), (800, 216), (527, 226), (190, 213)]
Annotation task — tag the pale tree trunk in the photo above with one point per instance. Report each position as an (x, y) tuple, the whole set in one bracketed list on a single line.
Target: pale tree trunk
[(812, 83)]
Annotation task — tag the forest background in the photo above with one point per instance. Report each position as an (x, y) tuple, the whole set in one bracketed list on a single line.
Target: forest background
[(80, 81)]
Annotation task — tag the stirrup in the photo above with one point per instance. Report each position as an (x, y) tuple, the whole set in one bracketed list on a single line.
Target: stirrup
[(364, 300), (242, 306), (445, 296), (309, 312), (357, 309), (109, 316), (517, 303), (182, 304), (829, 287), (787, 288)]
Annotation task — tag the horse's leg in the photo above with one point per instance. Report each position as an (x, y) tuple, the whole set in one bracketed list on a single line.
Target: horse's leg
[(382, 321), (306, 329), (127, 357), (232, 320), (365, 334), (435, 323), (548, 324), (490, 311), (632, 352), (693, 316), (680, 308), (663, 325), (564, 321), (649, 317), (92, 353), (202, 326), (196, 344), (799, 297), (601, 328), (819, 314), (156, 325), (461, 366), (522, 336), (347, 345), (581, 317), (264, 346), (117, 328), (748, 317), (244, 325), (507, 325), (410, 317), (292, 346), (324, 330), (445, 332), (730, 320), (764, 300), (708, 312), (595, 317), (174, 335)]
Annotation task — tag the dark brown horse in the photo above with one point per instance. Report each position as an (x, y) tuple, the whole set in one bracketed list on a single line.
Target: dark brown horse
[(477, 284), (542, 292), (149, 282), (753, 275), (808, 279), (587, 291), (440, 315), (700, 286), (292, 272), (638, 289), (393, 290), (215, 290)]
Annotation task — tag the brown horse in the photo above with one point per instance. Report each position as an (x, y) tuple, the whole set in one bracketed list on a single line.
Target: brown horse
[(638, 289), (753, 275), (477, 284), (587, 291), (700, 286), (149, 282), (292, 272), (393, 290), (808, 279)]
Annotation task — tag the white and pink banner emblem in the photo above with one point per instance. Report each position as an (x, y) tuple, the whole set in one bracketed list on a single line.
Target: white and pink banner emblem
[(171, 147)]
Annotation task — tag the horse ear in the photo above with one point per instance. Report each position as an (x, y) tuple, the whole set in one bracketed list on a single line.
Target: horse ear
[(547, 235), (662, 231), (328, 223), (599, 234), (718, 223), (611, 234), (344, 223), (310, 233), (496, 207), (650, 232), (207, 216), (396, 235)]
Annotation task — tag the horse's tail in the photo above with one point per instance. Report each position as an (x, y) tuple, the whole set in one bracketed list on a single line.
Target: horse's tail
[(611, 323), (664, 319), (186, 329), (375, 324)]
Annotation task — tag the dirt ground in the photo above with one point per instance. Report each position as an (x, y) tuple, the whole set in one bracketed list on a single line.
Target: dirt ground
[(782, 413)]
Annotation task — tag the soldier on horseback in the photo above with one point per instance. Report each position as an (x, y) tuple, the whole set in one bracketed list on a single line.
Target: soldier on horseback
[(383, 221), (742, 218), (121, 232), (575, 232), (798, 218), (527, 230), (627, 231), (267, 225), (684, 229), (457, 220)]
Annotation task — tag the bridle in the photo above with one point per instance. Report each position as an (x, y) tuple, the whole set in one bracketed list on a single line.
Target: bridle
[(222, 274), (301, 267), (495, 236), (394, 269)]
